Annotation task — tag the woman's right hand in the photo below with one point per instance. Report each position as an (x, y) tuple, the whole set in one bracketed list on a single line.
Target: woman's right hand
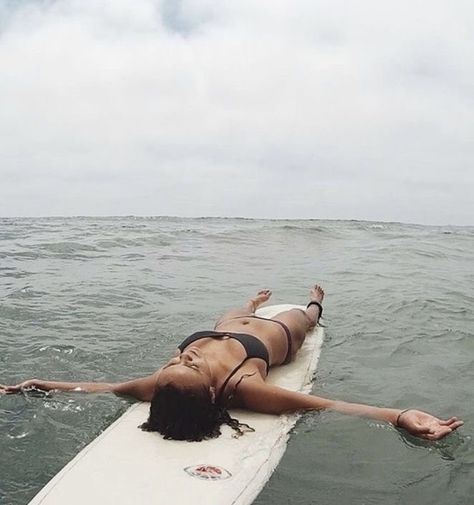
[(28, 384), (424, 425)]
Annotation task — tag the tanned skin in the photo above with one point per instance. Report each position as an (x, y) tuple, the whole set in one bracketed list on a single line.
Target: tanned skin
[(207, 362)]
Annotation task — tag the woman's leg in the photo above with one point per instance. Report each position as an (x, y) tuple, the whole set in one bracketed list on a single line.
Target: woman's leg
[(300, 321), (249, 309)]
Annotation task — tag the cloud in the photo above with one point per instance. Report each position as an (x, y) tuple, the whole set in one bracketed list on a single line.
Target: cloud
[(268, 109)]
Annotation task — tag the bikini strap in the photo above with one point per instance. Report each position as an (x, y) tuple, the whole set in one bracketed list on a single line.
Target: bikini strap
[(226, 382)]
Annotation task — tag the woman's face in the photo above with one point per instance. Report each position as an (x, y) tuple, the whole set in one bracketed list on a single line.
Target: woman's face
[(189, 368)]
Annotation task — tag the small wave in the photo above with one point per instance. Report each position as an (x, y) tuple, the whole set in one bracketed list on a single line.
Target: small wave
[(176, 257), (63, 349), (14, 273), (67, 247), (117, 242), (26, 292), (133, 256), (21, 255), (19, 436), (292, 227), (62, 406)]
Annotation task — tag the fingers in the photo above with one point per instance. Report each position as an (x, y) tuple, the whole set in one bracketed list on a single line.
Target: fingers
[(448, 421), (456, 425), (7, 390), (442, 431), (437, 434), (24, 386), (453, 423)]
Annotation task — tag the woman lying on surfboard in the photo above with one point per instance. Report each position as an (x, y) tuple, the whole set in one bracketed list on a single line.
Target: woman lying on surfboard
[(226, 368)]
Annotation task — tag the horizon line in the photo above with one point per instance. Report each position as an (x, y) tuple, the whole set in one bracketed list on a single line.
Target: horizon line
[(170, 216)]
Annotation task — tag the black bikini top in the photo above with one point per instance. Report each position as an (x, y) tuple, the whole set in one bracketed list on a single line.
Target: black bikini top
[(252, 345)]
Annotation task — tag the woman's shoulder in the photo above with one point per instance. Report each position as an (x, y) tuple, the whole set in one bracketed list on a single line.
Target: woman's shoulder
[(245, 383)]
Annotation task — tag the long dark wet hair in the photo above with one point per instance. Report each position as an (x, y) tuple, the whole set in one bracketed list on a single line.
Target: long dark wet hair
[(189, 414)]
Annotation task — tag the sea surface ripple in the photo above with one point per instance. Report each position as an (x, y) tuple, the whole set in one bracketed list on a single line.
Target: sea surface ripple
[(108, 299)]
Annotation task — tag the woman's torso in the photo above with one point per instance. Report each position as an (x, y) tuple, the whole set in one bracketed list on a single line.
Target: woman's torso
[(268, 331), (227, 354)]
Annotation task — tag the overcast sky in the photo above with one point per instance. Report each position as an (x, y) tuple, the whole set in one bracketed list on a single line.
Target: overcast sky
[(268, 108)]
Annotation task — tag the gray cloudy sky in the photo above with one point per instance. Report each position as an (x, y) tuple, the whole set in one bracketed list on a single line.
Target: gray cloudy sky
[(269, 108)]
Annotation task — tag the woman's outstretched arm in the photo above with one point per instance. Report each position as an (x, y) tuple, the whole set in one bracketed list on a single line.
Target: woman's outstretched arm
[(141, 389), (261, 397)]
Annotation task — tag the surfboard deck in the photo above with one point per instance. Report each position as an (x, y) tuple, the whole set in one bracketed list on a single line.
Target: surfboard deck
[(126, 465)]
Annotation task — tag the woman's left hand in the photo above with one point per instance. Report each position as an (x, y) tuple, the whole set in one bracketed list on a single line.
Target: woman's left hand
[(25, 385), (424, 425)]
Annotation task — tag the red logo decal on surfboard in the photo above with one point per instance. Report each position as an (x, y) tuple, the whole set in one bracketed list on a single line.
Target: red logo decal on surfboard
[(208, 472)]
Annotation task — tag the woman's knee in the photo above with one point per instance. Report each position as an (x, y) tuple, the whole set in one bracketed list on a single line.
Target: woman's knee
[(301, 316)]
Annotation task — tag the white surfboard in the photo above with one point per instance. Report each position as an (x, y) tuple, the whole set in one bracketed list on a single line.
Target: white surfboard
[(126, 465)]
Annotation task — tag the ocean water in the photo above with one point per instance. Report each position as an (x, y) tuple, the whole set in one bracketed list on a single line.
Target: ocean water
[(108, 299)]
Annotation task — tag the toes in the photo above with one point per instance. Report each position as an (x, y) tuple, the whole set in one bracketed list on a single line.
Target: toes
[(318, 290)]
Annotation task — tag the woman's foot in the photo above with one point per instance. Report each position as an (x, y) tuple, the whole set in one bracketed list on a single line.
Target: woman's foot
[(262, 297), (317, 294)]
